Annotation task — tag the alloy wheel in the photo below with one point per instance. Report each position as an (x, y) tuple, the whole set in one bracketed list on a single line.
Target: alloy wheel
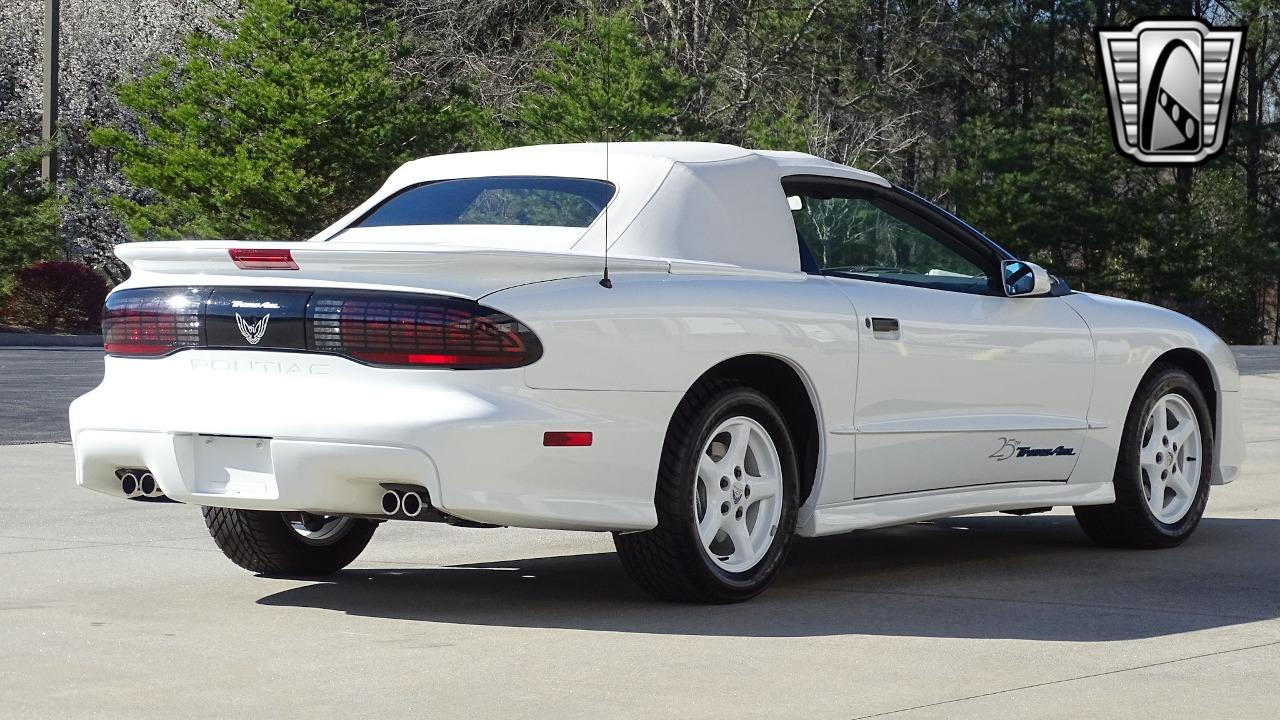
[(318, 529), (1170, 458), (738, 497)]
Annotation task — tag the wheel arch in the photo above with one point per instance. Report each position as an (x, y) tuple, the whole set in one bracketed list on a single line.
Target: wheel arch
[(1201, 370), (790, 387)]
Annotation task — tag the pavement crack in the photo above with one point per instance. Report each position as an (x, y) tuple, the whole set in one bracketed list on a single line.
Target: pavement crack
[(94, 544), (1048, 683), (57, 549), (1050, 603)]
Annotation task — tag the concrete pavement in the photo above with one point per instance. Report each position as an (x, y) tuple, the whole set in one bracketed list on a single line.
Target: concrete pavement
[(116, 609)]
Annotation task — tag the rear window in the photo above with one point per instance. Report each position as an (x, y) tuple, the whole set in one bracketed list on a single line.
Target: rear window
[(552, 201)]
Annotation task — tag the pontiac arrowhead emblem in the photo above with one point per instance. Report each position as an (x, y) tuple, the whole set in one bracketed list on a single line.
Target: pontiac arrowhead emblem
[(252, 332), (1170, 84)]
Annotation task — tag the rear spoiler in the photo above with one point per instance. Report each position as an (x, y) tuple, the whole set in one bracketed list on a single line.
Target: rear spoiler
[(462, 271)]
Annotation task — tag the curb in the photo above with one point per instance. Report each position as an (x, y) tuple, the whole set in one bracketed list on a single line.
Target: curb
[(37, 340)]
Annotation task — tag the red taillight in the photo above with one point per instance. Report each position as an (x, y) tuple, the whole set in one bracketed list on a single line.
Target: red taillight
[(419, 331), (566, 439), (147, 322), (390, 358), (263, 258), (379, 328)]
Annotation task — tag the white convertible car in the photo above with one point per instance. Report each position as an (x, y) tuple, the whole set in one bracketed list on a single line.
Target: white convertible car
[(780, 345)]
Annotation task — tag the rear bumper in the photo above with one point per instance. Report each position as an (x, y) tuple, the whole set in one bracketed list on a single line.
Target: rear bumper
[(281, 431), (301, 474)]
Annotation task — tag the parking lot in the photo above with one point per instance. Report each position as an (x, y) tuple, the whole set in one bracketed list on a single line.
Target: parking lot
[(118, 609)]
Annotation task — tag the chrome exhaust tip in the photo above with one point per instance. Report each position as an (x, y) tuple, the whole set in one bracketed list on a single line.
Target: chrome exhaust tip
[(411, 504), (148, 486), (390, 502), (129, 484)]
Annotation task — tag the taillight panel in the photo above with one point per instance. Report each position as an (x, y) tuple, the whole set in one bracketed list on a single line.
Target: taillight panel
[(152, 322), (400, 329), (375, 328)]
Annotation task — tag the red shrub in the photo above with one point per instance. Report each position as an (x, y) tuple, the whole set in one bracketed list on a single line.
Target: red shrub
[(56, 296)]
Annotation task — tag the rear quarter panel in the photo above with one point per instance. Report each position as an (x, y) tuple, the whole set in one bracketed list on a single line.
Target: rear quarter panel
[(662, 332)]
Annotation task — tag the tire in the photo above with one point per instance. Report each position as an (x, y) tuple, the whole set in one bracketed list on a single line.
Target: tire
[(1132, 520), (266, 543), (671, 561)]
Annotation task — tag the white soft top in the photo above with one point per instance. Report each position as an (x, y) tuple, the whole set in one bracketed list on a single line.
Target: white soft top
[(701, 202)]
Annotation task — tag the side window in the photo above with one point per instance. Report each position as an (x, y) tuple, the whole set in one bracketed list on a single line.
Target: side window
[(865, 238)]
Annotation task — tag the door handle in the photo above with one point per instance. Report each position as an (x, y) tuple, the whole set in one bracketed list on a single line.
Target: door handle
[(882, 325)]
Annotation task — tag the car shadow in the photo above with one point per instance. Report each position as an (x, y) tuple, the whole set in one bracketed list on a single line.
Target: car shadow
[(1031, 578)]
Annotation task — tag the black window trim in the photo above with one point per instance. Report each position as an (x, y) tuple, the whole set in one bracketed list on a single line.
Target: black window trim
[(613, 193), (916, 212)]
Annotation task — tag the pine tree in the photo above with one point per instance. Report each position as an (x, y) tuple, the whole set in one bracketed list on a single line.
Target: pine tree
[(277, 126), (602, 76), (28, 209)]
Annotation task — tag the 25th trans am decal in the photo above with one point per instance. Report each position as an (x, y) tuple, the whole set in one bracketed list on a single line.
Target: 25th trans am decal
[(1010, 448)]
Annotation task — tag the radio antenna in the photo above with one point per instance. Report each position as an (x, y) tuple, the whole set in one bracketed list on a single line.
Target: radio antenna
[(605, 282)]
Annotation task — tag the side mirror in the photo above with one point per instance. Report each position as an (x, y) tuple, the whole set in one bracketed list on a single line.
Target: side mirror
[(1024, 279)]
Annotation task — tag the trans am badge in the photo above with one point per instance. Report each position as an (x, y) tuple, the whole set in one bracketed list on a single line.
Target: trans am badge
[(253, 332), (1170, 84), (1011, 448)]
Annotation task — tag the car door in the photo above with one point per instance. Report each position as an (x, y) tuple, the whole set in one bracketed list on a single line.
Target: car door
[(958, 386)]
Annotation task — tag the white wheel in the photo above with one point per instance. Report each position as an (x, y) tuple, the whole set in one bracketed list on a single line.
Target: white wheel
[(1170, 458), (1162, 466), (726, 497), (738, 498), (318, 529)]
